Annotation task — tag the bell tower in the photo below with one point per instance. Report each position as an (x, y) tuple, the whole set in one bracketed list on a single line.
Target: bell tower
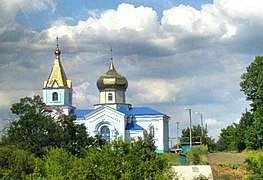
[(57, 90)]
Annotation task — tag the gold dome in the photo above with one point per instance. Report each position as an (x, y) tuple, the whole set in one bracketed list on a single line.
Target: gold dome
[(112, 80)]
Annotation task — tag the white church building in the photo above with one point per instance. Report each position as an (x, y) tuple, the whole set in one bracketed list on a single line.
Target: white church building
[(112, 117)]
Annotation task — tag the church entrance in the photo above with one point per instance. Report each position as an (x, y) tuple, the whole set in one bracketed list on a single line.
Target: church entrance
[(105, 133)]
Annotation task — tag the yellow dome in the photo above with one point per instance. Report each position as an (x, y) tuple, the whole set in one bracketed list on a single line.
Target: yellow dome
[(112, 80)]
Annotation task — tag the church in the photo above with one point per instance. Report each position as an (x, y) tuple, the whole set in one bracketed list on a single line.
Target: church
[(112, 117)]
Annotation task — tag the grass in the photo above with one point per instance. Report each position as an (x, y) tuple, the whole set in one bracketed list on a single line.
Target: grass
[(172, 158), (226, 165)]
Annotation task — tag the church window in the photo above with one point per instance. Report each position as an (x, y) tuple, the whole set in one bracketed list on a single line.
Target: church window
[(110, 96), (55, 96), (152, 131), (105, 133)]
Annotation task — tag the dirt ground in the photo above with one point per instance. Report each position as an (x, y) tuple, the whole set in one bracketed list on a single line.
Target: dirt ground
[(227, 165), (214, 158)]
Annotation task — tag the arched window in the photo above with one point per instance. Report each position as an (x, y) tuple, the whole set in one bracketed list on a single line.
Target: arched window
[(152, 131), (105, 133), (110, 97), (55, 96)]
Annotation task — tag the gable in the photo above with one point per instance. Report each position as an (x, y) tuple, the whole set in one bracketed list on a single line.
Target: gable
[(104, 109)]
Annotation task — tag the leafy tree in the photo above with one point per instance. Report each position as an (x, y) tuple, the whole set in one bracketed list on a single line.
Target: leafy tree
[(252, 83), (252, 86), (197, 155), (37, 128), (34, 128), (245, 123), (228, 136), (15, 163), (196, 134), (117, 160), (76, 139), (239, 136), (254, 165)]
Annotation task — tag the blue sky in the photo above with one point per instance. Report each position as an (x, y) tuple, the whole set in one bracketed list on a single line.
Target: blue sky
[(79, 9), (173, 53)]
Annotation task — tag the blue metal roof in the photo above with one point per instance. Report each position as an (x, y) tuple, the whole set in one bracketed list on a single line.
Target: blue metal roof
[(133, 126), (139, 111), (80, 113)]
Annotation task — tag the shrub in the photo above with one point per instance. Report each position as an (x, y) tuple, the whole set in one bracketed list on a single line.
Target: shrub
[(197, 155), (254, 164)]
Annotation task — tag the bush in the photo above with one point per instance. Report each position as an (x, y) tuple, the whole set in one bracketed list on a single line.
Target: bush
[(117, 160), (15, 163), (254, 165), (197, 155)]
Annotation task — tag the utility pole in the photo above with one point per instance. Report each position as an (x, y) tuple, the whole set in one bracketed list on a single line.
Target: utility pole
[(177, 137), (206, 131), (202, 126), (190, 118)]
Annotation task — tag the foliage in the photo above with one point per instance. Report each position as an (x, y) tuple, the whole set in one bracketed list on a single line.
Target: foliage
[(15, 163), (126, 160), (239, 136), (252, 83), (118, 160), (197, 136), (76, 138), (172, 158), (35, 129), (233, 166), (201, 177), (248, 133), (197, 155), (254, 165)]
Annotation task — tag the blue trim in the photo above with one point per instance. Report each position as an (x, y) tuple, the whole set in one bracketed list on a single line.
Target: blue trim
[(133, 126), (139, 111), (80, 113)]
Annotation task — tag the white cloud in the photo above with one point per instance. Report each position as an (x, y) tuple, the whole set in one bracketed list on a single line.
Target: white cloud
[(207, 22), (245, 9), (212, 122), (154, 90)]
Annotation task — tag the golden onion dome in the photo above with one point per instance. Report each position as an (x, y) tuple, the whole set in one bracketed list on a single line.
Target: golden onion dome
[(111, 80)]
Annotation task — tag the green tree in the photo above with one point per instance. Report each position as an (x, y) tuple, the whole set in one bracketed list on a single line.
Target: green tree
[(197, 155), (228, 138), (245, 123), (76, 139), (252, 83), (197, 135), (252, 86), (117, 160), (36, 128), (254, 165), (15, 163)]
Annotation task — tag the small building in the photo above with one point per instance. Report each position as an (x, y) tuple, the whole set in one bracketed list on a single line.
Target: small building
[(186, 145)]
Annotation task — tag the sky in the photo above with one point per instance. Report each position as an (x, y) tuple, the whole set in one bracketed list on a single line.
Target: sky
[(174, 53)]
